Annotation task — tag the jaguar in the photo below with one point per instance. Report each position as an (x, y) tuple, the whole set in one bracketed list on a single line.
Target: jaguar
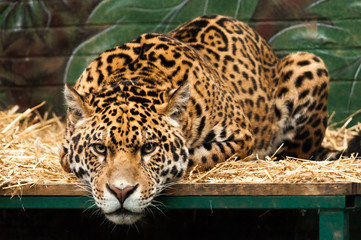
[(144, 112)]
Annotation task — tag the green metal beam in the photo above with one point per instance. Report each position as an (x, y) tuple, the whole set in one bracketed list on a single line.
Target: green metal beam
[(357, 202), (254, 202), (81, 202), (334, 224), (333, 215), (187, 202)]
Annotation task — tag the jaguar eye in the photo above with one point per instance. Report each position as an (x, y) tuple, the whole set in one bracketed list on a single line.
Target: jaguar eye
[(99, 149), (149, 148)]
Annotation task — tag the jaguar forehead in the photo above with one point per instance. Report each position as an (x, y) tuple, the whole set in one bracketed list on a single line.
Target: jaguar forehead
[(121, 93), (129, 125)]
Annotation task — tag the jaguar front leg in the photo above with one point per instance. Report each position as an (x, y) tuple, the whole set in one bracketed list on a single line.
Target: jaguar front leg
[(219, 147)]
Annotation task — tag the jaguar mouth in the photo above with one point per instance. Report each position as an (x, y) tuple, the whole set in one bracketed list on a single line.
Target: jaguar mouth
[(123, 216)]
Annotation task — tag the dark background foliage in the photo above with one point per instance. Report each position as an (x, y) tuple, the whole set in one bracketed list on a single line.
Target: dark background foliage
[(47, 42)]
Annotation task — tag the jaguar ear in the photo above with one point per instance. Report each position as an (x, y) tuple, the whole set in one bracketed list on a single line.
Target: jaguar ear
[(177, 103), (76, 104)]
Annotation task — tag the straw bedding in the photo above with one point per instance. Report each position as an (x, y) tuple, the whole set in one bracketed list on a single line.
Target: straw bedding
[(30, 142), (29, 149)]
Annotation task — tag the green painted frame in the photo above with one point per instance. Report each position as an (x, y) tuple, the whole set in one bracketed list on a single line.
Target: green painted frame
[(189, 202), (333, 201), (333, 210)]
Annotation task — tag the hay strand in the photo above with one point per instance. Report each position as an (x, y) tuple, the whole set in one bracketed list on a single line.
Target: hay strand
[(30, 143), (29, 149)]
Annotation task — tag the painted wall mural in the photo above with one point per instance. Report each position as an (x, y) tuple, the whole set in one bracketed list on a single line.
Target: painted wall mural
[(46, 42)]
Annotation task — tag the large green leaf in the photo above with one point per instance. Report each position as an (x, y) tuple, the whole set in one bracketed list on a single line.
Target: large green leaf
[(18, 15), (336, 8), (311, 35), (353, 29), (343, 64), (129, 18), (23, 14), (175, 11)]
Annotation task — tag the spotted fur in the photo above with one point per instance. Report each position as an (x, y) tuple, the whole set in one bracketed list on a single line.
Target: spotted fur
[(142, 112)]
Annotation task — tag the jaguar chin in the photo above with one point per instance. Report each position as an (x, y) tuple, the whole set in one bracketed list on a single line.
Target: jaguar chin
[(123, 216)]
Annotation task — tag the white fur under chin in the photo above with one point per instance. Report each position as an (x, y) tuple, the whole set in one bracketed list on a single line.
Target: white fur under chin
[(124, 219)]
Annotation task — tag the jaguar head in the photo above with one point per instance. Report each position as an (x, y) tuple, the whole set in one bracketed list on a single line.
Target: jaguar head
[(127, 147)]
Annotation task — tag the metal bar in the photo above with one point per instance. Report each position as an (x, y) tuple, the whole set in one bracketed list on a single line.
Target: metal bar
[(254, 202), (80, 202), (334, 224), (357, 202), (188, 202)]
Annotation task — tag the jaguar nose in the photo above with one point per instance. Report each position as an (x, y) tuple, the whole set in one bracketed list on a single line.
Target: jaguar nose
[(121, 193)]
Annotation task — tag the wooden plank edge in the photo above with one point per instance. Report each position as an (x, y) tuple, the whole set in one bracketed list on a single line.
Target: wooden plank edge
[(68, 189), (207, 189)]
